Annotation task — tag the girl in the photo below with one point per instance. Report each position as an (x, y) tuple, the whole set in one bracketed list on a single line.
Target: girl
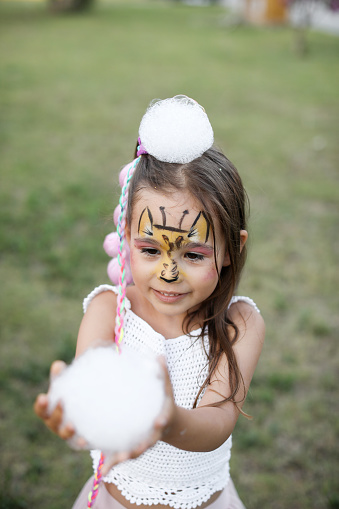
[(185, 226)]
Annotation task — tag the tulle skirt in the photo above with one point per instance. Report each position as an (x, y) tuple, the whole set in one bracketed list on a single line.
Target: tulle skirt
[(229, 498)]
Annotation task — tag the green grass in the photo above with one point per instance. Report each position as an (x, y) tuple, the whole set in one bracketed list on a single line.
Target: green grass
[(72, 92)]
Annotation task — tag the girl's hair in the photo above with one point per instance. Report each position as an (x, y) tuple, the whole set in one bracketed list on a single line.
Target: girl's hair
[(214, 181)]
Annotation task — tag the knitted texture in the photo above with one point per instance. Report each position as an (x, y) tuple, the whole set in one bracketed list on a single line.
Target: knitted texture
[(164, 474)]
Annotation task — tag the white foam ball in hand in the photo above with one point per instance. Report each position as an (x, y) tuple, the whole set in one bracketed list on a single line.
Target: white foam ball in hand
[(111, 399)]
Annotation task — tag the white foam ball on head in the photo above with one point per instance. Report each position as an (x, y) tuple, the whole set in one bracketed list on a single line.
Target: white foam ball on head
[(176, 130), (111, 399)]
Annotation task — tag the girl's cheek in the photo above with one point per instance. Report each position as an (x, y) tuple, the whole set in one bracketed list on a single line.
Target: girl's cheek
[(135, 259), (210, 274), (145, 266), (132, 257)]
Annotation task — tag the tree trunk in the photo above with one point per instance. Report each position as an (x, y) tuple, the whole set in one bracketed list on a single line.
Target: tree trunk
[(69, 5)]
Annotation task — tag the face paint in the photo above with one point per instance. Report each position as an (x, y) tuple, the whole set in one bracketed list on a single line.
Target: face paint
[(171, 239)]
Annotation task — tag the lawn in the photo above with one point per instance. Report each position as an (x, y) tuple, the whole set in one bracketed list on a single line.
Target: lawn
[(72, 92)]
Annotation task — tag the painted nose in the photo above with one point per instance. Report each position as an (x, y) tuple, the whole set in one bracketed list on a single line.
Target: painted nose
[(170, 272)]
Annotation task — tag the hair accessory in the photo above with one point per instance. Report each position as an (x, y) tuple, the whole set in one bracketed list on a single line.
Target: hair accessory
[(115, 243), (119, 331), (175, 130), (96, 482), (112, 240), (141, 149), (119, 269)]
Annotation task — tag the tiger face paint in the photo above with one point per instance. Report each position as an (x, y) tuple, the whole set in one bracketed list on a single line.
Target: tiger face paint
[(172, 239), (175, 259)]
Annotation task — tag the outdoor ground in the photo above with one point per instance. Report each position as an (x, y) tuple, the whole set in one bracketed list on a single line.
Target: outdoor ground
[(72, 92)]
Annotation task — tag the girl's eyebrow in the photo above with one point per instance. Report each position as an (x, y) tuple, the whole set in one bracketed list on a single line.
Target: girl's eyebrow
[(189, 245), (147, 240), (199, 245)]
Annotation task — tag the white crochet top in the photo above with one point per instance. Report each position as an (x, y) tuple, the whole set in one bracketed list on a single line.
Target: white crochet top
[(164, 474)]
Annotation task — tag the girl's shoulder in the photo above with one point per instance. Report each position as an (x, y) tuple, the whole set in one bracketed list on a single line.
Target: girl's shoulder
[(242, 299), (109, 290), (246, 315), (98, 321)]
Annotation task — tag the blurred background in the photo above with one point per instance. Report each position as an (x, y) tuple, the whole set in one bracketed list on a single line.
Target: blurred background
[(75, 81)]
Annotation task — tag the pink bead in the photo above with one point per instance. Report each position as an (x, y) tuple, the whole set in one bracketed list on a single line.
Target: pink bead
[(116, 214), (111, 244), (113, 271), (123, 174)]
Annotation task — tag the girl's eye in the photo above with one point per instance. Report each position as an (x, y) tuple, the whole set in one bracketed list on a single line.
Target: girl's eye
[(150, 251), (194, 256)]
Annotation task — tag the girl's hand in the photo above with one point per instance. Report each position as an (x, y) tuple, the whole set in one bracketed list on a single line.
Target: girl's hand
[(161, 424), (54, 420)]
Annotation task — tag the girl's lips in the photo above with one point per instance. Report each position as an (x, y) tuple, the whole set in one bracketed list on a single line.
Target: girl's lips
[(168, 296)]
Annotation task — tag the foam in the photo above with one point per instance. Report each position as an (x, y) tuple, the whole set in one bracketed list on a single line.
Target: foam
[(176, 130), (111, 399)]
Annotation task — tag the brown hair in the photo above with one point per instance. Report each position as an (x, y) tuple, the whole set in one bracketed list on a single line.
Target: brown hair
[(214, 181)]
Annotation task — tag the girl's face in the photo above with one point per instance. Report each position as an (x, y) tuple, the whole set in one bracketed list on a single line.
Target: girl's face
[(172, 251)]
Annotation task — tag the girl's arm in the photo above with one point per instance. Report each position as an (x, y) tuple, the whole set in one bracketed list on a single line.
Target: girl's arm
[(97, 325), (206, 428), (98, 322), (202, 429)]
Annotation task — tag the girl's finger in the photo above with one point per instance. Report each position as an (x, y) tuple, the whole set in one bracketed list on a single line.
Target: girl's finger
[(56, 368), (41, 406), (168, 409), (66, 432), (166, 413), (156, 435), (74, 441), (140, 449), (54, 421), (113, 460), (109, 463)]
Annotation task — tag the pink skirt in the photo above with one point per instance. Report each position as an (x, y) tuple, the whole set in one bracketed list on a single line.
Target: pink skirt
[(229, 498)]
